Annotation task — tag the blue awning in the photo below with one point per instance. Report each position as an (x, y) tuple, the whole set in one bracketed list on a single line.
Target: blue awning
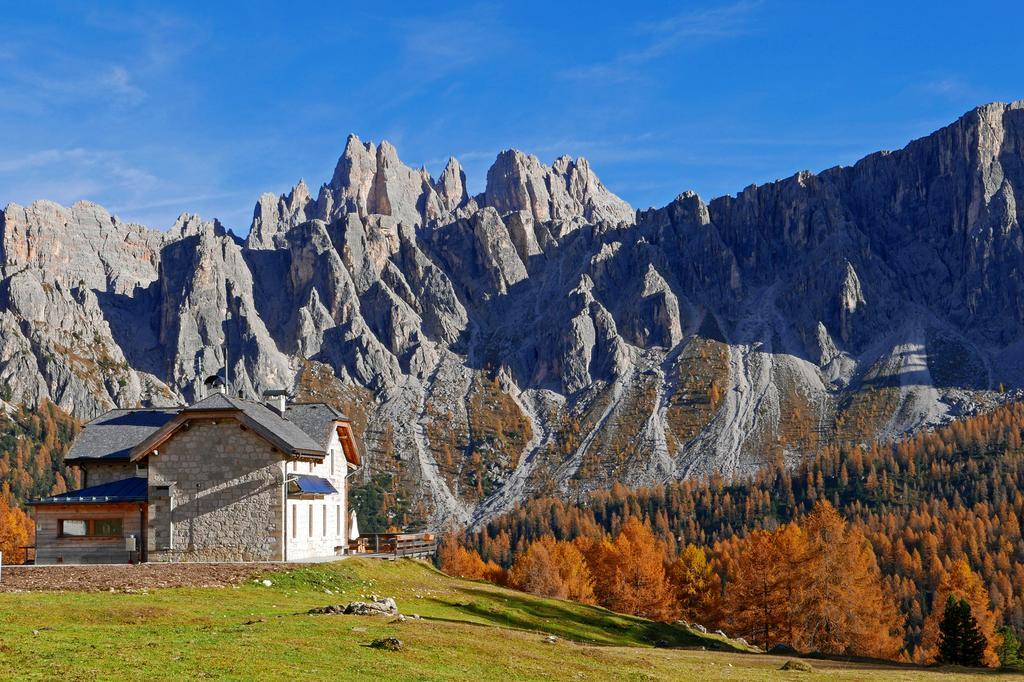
[(314, 485), (126, 490)]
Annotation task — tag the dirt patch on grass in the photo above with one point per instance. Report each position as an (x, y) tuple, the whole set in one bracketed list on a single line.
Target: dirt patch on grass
[(128, 578)]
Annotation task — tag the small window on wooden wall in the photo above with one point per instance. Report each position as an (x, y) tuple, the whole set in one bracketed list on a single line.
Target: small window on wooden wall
[(91, 528)]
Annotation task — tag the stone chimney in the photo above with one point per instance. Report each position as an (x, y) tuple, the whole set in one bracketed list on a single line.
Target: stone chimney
[(276, 400)]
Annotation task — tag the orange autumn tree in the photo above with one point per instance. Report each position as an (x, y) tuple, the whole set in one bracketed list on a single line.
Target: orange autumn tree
[(843, 607), (963, 583), (601, 559), (638, 583), (697, 587), (454, 559), (553, 569), (574, 572), (536, 570), (16, 531), (762, 586)]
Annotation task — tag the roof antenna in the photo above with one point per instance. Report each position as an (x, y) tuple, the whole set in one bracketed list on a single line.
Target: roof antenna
[(227, 365)]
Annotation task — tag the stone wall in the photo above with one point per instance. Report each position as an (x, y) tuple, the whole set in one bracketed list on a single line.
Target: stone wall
[(216, 495), (98, 473)]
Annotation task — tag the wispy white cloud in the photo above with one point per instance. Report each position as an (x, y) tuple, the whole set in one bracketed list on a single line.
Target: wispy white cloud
[(660, 38), (40, 75), (117, 81), (31, 88), (453, 41), (68, 175), (37, 159), (186, 202), (945, 86)]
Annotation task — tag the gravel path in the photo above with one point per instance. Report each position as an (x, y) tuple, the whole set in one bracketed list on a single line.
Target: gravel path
[(121, 578)]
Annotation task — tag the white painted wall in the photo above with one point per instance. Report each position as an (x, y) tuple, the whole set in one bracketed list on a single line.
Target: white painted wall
[(317, 527)]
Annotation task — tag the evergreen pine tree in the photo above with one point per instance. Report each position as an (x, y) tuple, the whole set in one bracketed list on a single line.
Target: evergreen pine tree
[(951, 632), (960, 639), (1009, 648), (974, 643)]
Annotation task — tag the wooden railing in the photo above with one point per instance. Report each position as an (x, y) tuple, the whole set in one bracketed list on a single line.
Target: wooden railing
[(396, 544)]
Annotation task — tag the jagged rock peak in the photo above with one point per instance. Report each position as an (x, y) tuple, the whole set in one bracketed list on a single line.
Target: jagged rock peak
[(371, 179), (568, 190), (191, 225), (451, 186), (273, 216)]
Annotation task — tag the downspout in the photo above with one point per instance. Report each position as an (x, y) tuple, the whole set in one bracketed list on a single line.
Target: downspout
[(345, 514), (143, 534), (284, 510)]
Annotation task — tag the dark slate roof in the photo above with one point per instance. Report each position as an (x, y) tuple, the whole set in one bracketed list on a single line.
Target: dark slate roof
[(314, 485), (315, 419), (215, 401), (127, 490), (287, 431), (113, 435)]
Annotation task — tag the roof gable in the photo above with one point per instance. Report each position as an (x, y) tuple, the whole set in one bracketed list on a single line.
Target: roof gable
[(273, 428), (122, 435)]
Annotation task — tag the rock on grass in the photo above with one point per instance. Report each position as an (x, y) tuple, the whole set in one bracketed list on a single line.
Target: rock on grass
[(798, 666), (387, 644)]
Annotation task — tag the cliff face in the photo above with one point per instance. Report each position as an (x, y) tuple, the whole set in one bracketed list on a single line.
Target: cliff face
[(542, 336)]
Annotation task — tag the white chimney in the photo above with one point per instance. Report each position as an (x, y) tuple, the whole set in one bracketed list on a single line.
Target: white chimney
[(275, 400)]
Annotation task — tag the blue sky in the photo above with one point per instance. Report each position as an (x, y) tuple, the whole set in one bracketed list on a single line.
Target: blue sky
[(155, 110)]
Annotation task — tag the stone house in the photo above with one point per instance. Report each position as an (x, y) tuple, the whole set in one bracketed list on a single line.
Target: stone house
[(225, 479)]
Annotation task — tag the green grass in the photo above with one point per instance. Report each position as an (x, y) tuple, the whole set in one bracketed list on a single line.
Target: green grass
[(467, 630)]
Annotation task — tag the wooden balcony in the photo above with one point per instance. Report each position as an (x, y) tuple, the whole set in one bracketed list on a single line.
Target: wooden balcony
[(394, 545)]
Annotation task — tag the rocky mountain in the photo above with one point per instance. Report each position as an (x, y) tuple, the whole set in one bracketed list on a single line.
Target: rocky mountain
[(542, 336)]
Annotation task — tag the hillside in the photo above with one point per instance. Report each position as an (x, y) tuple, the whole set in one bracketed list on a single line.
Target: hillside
[(467, 631), (542, 337), (923, 503), (32, 447)]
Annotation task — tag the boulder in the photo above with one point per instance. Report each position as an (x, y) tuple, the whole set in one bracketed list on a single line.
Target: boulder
[(387, 644), (377, 607)]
